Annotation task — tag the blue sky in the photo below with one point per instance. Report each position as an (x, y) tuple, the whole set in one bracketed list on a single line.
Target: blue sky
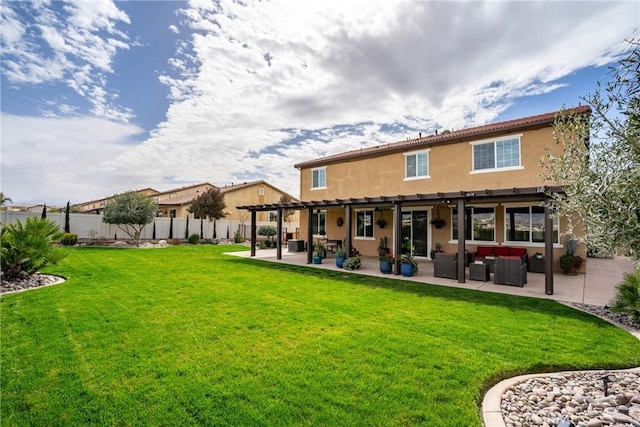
[(100, 97)]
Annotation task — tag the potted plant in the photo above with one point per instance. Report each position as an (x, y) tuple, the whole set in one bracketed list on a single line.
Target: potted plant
[(352, 263), (386, 263), (383, 249), (319, 252), (438, 222), (570, 263), (435, 251), (408, 265), (341, 255)]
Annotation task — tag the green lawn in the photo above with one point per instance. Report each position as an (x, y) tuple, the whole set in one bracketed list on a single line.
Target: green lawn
[(188, 336)]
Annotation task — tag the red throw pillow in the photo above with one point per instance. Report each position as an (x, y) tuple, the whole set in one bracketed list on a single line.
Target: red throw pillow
[(501, 251), (517, 251), (484, 251)]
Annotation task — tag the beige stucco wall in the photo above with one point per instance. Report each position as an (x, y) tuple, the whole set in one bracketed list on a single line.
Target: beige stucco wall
[(450, 169), (251, 196)]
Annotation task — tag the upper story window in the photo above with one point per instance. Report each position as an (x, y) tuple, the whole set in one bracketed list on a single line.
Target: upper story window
[(318, 178), (273, 216), (495, 155), (364, 224), (417, 165)]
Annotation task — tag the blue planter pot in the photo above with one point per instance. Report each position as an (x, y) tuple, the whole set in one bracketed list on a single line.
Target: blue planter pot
[(406, 270), (317, 259), (339, 262), (385, 267)]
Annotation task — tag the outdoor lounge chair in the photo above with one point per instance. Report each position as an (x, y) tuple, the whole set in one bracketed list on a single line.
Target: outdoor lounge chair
[(510, 271), (446, 265)]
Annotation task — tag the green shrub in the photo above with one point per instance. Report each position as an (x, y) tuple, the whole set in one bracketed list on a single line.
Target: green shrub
[(627, 299), (194, 239), (69, 239), (352, 263), (238, 237), (26, 248), (262, 245)]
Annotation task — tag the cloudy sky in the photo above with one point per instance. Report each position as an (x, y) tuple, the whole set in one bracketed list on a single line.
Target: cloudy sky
[(100, 97)]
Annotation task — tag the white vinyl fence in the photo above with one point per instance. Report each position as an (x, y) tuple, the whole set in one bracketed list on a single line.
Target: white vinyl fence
[(88, 226)]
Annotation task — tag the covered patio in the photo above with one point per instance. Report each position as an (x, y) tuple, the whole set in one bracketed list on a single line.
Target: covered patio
[(597, 287), (458, 199)]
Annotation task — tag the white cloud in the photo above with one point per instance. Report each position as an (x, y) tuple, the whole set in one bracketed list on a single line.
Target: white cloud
[(66, 161), (77, 52), (260, 86), (267, 66), (174, 29)]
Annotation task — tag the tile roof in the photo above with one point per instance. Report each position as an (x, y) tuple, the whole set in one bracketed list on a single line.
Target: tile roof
[(448, 137)]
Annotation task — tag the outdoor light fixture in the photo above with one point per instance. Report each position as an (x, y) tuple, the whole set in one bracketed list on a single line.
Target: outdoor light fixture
[(606, 379)]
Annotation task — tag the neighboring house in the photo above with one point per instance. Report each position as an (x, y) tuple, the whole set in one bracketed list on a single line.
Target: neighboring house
[(97, 206), (255, 193), (491, 173), (176, 202)]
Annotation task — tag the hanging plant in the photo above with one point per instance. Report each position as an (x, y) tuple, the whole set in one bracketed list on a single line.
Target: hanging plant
[(438, 222)]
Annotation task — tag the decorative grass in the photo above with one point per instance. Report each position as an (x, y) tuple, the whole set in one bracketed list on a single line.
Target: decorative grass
[(189, 336)]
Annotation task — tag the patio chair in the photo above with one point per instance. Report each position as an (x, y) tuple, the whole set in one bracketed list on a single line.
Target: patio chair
[(446, 265), (510, 271)]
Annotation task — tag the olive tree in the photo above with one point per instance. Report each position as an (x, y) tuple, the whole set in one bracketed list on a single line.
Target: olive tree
[(130, 212), (600, 162)]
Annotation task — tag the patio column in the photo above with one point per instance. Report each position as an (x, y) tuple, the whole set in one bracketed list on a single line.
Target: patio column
[(397, 231), (309, 235), (348, 225), (253, 232), (461, 233), (548, 248), (279, 239)]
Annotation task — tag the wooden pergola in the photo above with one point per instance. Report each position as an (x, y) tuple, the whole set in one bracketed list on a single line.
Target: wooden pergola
[(459, 199)]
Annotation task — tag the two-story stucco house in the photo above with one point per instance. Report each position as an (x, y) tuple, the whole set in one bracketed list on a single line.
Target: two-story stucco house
[(490, 176)]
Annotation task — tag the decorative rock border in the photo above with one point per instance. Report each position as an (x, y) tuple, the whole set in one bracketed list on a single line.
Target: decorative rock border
[(35, 281), (578, 397)]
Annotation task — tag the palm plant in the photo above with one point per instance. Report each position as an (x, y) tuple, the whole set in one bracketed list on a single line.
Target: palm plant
[(627, 299), (25, 248)]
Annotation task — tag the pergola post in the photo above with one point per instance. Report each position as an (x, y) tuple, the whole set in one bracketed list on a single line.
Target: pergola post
[(348, 225), (309, 235), (397, 243), (461, 240), (253, 232), (279, 240), (548, 247)]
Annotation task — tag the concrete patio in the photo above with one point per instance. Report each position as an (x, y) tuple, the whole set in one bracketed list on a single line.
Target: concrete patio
[(596, 287)]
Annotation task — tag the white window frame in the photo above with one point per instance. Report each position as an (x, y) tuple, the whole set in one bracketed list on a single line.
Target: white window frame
[(454, 239), (318, 227), (319, 187), (364, 237), (495, 154), (530, 243), (415, 154)]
